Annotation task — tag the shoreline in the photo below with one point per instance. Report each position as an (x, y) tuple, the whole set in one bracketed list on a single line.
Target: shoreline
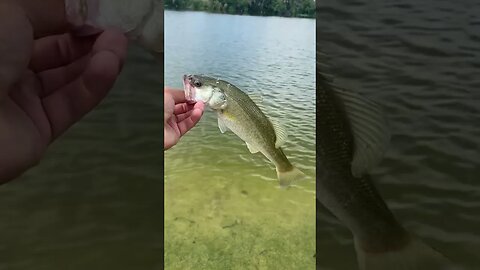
[(237, 14)]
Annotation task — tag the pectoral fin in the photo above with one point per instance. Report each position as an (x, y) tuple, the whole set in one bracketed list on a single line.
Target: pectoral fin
[(370, 131), (222, 125)]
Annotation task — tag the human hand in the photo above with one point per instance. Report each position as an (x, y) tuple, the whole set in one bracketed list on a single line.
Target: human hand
[(47, 84), (179, 116)]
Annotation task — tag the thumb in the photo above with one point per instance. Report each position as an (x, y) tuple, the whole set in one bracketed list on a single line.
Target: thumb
[(15, 49)]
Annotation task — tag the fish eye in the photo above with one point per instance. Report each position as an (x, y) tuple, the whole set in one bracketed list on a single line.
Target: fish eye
[(197, 83)]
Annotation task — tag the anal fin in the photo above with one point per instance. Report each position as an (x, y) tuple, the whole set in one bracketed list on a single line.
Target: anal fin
[(252, 149)]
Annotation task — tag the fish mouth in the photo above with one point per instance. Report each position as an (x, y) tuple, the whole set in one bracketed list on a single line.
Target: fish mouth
[(189, 89)]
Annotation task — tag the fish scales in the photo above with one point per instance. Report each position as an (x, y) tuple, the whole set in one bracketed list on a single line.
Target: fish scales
[(252, 125), (237, 112), (351, 136)]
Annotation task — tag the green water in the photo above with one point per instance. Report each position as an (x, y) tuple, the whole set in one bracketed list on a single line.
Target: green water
[(94, 201), (223, 205), (420, 61)]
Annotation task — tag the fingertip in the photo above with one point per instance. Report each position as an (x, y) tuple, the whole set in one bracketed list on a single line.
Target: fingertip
[(200, 106), (196, 115), (177, 95), (112, 40), (170, 89), (102, 73)]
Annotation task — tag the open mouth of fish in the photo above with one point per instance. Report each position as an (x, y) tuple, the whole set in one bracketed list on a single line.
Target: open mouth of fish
[(189, 89)]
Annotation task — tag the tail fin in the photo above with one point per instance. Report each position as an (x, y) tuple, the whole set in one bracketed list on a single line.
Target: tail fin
[(287, 178), (415, 255)]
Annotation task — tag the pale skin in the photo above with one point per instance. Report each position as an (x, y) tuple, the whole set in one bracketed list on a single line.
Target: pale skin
[(179, 116), (50, 79)]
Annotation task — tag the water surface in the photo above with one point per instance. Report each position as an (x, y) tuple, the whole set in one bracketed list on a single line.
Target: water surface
[(420, 60), (223, 205), (94, 202)]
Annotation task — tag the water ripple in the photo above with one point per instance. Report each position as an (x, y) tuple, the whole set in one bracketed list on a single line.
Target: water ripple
[(419, 60)]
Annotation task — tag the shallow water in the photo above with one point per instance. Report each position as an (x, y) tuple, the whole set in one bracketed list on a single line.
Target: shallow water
[(421, 60), (93, 202), (223, 205)]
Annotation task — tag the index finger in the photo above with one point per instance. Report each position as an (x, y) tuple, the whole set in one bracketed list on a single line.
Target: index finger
[(177, 95)]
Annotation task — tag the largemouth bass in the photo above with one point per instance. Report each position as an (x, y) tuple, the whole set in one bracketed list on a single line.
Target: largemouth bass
[(352, 135), (237, 112)]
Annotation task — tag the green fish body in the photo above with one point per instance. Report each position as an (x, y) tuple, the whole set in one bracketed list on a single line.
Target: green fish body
[(238, 113), (352, 135)]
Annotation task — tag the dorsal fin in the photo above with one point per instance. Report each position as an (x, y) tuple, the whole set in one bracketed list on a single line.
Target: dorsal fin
[(256, 97), (370, 131), (281, 134)]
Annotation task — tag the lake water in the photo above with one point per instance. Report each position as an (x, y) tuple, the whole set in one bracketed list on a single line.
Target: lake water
[(223, 205), (421, 60), (95, 200), (93, 203)]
